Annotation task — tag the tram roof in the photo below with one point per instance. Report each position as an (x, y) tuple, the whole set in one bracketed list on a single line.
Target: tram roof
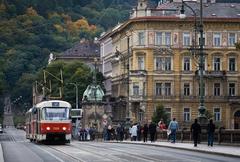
[(53, 103)]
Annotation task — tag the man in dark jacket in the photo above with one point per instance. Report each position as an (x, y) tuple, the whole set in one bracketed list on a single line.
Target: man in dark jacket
[(152, 131), (195, 130), (145, 132), (210, 130), (120, 132)]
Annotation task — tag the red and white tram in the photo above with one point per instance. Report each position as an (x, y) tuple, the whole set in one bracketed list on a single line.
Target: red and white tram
[(49, 121)]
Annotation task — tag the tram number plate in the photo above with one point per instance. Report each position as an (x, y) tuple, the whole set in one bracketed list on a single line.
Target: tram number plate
[(55, 128)]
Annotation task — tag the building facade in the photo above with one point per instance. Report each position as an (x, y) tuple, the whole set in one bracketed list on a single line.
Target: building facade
[(158, 64)]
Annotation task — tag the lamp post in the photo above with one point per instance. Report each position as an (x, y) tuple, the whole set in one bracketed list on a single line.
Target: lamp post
[(117, 58), (199, 28), (76, 129), (95, 91)]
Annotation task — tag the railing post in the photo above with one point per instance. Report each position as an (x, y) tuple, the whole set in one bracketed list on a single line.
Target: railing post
[(219, 136), (182, 135)]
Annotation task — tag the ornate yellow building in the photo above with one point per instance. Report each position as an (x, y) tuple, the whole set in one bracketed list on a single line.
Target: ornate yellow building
[(163, 68)]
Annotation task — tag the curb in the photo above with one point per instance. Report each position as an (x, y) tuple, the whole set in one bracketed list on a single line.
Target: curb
[(183, 148), (1, 153)]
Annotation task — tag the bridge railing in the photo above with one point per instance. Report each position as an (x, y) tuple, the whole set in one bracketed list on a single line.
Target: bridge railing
[(220, 136)]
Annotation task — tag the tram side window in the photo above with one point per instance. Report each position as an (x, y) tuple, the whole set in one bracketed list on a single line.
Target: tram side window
[(55, 113)]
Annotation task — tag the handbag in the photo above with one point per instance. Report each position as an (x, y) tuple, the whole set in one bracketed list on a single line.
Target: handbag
[(169, 132)]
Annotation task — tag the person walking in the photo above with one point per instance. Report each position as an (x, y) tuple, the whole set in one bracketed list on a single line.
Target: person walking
[(210, 130), (145, 132), (161, 125), (195, 131), (152, 130), (120, 132), (173, 127), (134, 132), (139, 133)]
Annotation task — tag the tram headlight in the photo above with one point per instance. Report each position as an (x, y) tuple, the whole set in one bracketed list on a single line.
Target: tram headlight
[(64, 128), (48, 128)]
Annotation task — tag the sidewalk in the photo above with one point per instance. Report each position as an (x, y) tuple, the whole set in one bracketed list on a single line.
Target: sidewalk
[(216, 149), (1, 154)]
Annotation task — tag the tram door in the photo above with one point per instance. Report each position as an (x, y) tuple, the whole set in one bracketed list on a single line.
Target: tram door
[(237, 120)]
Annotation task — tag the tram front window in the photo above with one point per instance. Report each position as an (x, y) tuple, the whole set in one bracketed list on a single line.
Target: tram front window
[(55, 113)]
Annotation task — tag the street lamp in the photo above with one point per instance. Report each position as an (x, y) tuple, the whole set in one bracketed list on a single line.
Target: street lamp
[(199, 28), (117, 58), (95, 90), (77, 121), (183, 16)]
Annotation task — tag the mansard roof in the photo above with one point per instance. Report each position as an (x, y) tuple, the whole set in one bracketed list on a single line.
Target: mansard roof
[(84, 48), (169, 11), (210, 10)]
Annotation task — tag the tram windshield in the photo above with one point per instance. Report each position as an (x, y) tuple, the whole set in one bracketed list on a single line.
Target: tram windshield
[(56, 113)]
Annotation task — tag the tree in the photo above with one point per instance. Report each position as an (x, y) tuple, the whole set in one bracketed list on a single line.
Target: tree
[(31, 29), (159, 114), (110, 17), (73, 72)]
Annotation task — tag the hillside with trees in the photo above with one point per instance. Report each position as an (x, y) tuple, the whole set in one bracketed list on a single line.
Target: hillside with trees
[(31, 29)]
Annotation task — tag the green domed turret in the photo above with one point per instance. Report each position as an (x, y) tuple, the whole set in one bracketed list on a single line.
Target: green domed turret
[(93, 93)]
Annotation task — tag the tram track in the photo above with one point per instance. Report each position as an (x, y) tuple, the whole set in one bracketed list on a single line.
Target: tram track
[(66, 154), (142, 157), (82, 149), (125, 155), (136, 157)]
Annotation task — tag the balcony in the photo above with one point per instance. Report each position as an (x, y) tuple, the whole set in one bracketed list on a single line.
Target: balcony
[(136, 98), (211, 74), (138, 72), (207, 98), (165, 97), (189, 98), (234, 99)]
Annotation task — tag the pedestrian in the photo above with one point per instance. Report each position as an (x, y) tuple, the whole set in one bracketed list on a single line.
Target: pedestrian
[(210, 130), (161, 125), (145, 132), (91, 133), (173, 127), (152, 131), (134, 132), (120, 132), (105, 133), (81, 134), (109, 135), (139, 132), (113, 134), (195, 131), (87, 135)]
